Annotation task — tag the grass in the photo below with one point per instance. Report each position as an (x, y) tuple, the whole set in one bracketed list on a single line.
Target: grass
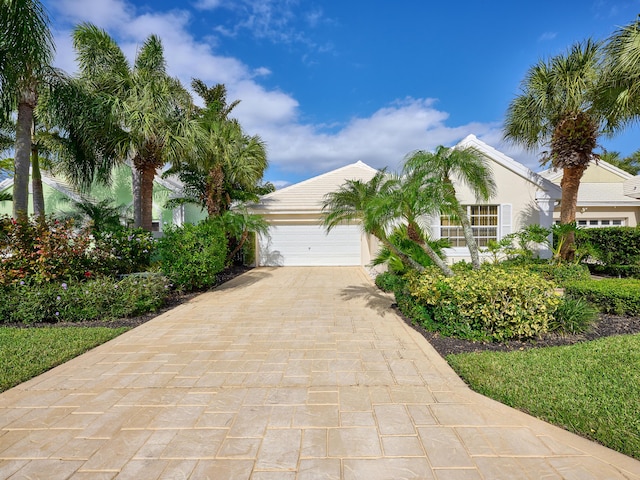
[(27, 352), (591, 388)]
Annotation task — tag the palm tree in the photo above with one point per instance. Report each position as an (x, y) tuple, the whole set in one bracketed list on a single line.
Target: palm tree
[(237, 224), (154, 111), (621, 86), (557, 108), (440, 169), (365, 202), (630, 164), (234, 162), (26, 51)]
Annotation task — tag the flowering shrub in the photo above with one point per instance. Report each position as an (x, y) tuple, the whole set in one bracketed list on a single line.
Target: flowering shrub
[(490, 303), (122, 250), (42, 250), (191, 256), (101, 298)]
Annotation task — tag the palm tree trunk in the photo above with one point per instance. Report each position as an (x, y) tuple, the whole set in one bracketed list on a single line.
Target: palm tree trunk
[(36, 184), (467, 231), (146, 198), (22, 154), (215, 183), (136, 181), (243, 240), (406, 259), (570, 184)]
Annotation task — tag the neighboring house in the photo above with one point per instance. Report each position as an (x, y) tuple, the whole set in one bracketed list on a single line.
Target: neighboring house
[(59, 196), (607, 197), (295, 215)]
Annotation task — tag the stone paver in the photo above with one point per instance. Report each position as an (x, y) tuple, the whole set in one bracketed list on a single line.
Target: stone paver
[(290, 373)]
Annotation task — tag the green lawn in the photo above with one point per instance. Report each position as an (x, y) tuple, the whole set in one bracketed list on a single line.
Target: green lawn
[(592, 388), (27, 352)]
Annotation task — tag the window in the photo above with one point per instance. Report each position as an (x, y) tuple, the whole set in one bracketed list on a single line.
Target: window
[(598, 223), (484, 223)]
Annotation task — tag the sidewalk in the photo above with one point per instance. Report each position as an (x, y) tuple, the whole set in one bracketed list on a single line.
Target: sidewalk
[(283, 373)]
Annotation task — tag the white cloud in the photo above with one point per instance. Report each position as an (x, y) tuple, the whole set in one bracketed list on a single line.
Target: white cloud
[(546, 36), (381, 139)]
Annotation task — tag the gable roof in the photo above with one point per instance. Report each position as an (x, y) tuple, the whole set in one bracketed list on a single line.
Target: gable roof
[(631, 187), (548, 189), (55, 183), (308, 195), (555, 174)]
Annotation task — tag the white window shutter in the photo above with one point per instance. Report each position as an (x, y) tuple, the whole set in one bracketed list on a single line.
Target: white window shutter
[(505, 220), (435, 227)]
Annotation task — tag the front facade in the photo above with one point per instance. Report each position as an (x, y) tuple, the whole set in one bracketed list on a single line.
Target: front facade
[(298, 238), (605, 197)]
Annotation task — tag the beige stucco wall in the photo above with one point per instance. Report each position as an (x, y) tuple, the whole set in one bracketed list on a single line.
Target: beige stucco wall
[(629, 215), (515, 190)]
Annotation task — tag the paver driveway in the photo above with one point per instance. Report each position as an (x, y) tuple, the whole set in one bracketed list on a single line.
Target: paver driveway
[(283, 373)]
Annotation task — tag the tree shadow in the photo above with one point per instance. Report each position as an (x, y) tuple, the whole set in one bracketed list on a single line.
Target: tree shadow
[(246, 279), (375, 299)]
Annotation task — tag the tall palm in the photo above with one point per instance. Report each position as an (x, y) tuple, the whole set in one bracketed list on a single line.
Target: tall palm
[(621, 85), (26, 51), (233, 161), (358, 201), (441, 169), (154, 111), (557, 108)]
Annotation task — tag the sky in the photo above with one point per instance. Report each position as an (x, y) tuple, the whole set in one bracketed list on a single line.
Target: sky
[(328, 83)]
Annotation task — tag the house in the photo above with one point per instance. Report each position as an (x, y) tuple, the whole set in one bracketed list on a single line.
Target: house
[(607, 197), (59, 196), (298, 238), (296, 235)]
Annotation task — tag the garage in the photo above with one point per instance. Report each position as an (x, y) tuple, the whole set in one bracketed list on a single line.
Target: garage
[(296, 235), (310, 245)]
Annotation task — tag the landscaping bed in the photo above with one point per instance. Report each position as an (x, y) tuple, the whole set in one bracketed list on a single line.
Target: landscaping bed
[(606, 326)]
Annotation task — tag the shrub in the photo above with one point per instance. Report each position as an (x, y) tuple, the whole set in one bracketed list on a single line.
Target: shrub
[(573, 315), (101, 298), (42, 250), (389, 282), (623, 271), (121, 250), (561, 273), (490, 303), (612, 245), (612, 295), (191, 256)]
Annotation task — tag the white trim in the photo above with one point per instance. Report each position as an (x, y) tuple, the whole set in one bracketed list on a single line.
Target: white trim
[(549, 189)]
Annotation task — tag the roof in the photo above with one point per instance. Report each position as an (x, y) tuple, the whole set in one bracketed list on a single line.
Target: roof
[(631, 187), (54, 182), (604, 194), (308, 195), (555, 174), (546, 186)]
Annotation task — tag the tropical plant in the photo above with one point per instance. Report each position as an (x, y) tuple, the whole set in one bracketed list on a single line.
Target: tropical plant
[(415, 250), (231, 165), (630, 164), (26, 51), (441, 169), (557, 108), (99, 216), (364, 203), (153, 110), (238, 224), (620, 92)]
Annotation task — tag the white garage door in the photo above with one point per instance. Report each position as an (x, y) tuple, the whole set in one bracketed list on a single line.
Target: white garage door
[(307, 245)]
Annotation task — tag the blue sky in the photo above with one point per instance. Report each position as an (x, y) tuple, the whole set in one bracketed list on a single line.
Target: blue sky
[(327, 83)]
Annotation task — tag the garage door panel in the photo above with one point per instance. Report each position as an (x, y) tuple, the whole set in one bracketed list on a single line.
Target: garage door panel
[(301, 245)]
